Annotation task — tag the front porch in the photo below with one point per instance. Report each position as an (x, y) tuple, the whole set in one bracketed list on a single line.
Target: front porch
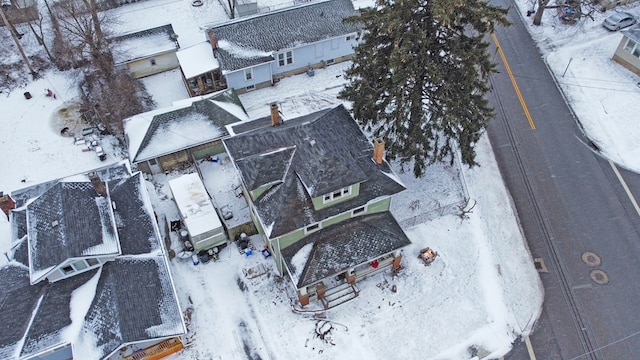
[(341, 288)]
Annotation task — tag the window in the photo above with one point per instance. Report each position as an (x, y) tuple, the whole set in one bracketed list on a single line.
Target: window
[(153, 62), (633, 48), (312, 228), (358, 211), (336, 195), (92, 262), (285, 58), (250, 87), (152, 162), (67, 270), (350, 37), (248, 74), (80, 265)]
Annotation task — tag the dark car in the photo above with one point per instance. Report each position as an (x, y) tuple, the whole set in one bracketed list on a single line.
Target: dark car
[(619, 20)]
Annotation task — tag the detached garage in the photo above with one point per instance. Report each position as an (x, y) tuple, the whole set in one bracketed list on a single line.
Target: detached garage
[(197, 212)]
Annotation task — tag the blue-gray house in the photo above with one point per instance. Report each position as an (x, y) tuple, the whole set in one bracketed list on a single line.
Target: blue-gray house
[(256, 51)]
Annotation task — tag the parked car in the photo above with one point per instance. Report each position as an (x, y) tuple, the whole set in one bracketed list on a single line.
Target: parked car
[(619, 20)]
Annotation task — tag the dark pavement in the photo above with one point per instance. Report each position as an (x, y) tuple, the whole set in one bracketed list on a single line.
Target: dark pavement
[(574, 211)]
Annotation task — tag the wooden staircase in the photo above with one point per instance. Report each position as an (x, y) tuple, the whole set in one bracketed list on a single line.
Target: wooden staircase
[(339, 295), (157, 351)]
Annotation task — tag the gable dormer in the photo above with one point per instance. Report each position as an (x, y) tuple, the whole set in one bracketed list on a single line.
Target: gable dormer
[(71, 229)]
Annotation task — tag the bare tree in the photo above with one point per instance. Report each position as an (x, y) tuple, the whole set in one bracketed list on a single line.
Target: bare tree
[(232, 8), (575, 6), (81, 33)]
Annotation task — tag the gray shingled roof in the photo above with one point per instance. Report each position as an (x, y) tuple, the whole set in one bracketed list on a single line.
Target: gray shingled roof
[(245, 41), (18, 300), (70, 220), (52, 315), (137, 235), (331, 153), (633, 33), (125, 308), (206, 108), (130, 308), (346, 245)]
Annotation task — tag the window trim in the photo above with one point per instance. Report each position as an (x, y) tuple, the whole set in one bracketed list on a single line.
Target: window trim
[(312, 228), (337, 194), (632, 49), (67, 272), (248, 74), (359, 211), (285, 58)]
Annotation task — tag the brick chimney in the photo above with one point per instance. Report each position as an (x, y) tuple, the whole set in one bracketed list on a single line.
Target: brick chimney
[(6, 204), (275, 115), (212, 39), (98, 184), (378, 150)]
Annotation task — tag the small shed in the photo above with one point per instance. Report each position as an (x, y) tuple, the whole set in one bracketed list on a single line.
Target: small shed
[(197, 212), (628, 51)]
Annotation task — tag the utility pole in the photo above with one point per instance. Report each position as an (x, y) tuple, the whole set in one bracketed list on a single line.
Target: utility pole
[(6, 5)]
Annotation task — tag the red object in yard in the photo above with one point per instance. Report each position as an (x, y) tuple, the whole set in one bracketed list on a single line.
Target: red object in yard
[(375, 264)]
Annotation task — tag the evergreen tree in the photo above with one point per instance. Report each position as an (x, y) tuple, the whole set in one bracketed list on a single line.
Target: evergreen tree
[(419, 77)]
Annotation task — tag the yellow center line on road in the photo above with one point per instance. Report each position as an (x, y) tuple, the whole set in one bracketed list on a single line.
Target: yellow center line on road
[(513, 81)]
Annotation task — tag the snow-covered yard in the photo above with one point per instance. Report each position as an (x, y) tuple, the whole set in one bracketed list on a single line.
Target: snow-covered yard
[(480, 294)]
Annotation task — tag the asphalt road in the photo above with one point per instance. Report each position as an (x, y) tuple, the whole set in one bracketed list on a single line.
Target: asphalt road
[(577, 217)]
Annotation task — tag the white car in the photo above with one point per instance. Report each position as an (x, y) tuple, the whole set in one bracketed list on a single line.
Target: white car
[(619, 20)]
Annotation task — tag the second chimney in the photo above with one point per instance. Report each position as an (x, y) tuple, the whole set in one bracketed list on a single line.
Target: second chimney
[(6, 204), (98, 184), (378, 150), (212, 39), (275, 115)]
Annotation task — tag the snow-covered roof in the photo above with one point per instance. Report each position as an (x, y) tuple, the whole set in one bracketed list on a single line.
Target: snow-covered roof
[(304, 158), (250, 41), (145, 43), (182, 126), (70, 220), (197, 60), (100, 310), (194, 204)]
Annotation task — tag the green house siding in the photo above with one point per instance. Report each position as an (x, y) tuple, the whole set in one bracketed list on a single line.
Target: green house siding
[(259, 191), (208, 149), (318, 201), (284, 241), (380, 206), (372, 208)]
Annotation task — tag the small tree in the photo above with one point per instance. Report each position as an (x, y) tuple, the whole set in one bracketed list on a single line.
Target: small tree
[(419, 77)]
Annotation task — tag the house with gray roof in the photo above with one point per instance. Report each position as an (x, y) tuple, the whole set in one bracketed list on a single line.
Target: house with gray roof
[(319, 192), (190, 130), (627, 53), (90, 307), (146, 52), (258, 50)]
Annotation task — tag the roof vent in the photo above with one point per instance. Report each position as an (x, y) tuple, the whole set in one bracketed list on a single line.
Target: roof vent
[(312, 142), (54, 223)]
